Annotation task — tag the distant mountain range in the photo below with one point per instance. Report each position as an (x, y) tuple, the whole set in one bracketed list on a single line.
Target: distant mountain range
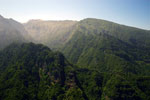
[(100, 60), (51, 33), (11, 31)]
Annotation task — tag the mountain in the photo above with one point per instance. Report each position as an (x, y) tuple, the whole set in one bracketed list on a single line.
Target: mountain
[(122, 32), (51, 33), (101, 60), (94, 42), (34, 72), (113, 60), (109, 47), (113, 56), (11, 31)]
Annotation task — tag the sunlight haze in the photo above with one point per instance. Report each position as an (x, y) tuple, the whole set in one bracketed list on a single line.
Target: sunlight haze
[(129, 12)]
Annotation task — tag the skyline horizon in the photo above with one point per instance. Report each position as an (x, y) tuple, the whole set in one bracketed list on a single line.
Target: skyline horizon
[(134, 13), (36, 19)]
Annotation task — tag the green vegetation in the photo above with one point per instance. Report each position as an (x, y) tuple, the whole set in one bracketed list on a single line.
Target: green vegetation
[(94, 45), (109, 62), (118, 54), (29, 71)]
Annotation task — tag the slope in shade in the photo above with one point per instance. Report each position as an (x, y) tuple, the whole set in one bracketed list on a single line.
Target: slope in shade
[(34, 72)]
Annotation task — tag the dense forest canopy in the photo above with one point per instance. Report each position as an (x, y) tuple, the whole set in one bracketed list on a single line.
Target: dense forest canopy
[(91, 59)]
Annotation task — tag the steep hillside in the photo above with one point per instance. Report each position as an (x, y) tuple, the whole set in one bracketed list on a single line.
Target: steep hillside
[(107, 46), (109, 61), (11, 31), (113, 86), (128, 34), (50, 33), (114, 60), (34, 72)]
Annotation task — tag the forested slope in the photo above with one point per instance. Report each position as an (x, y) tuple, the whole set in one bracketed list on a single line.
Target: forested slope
[(96, 45), (34, 72)]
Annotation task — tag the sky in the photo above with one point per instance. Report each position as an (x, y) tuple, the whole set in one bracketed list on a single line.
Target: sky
[(134, 13)]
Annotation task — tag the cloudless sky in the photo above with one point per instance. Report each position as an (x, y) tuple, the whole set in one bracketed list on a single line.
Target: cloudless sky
[(129, 12)]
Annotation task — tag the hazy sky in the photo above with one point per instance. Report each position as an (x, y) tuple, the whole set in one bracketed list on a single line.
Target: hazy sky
[(129, 12)]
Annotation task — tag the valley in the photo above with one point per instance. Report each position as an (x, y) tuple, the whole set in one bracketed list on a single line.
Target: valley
[(91, 59)]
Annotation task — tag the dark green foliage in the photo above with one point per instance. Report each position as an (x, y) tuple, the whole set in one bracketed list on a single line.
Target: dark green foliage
[(92, 83), (118, 88), (112, 63), (143, 84), (96, 45), (34, 72), (113, 56)]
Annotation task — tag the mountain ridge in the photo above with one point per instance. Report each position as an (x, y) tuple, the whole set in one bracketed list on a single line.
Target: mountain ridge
[(100, 60), (50, 33), (11, 31)]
